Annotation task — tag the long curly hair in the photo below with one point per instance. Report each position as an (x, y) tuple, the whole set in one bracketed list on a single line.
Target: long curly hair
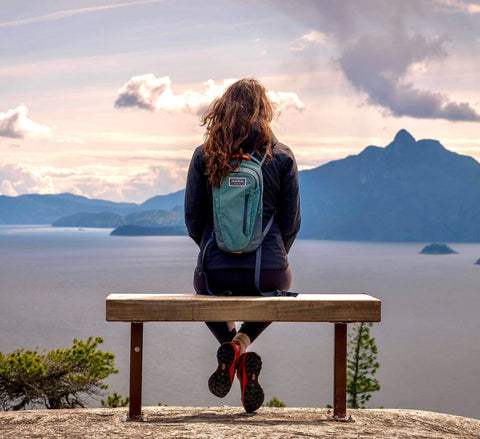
[(240, 117)]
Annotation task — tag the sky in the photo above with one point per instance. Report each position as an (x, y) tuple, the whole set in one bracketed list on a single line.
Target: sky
[(103, 98)]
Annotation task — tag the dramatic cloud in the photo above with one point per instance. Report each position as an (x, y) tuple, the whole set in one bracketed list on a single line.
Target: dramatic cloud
[(378, 66), (16, 124), (150, 93), (378, 62)]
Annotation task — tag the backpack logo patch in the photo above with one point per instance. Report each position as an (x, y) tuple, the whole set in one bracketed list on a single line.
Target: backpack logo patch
[(237, 181)]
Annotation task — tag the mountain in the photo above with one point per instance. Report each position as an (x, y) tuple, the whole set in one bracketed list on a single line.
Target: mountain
[(149, 218), (164, 202), (408, 191), (46, 209)]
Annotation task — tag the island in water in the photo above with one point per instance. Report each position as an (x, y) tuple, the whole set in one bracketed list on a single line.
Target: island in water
[(477, 263), (135, 230), (437, 249)]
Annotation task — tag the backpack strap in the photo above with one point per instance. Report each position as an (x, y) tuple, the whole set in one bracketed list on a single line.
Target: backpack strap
[(258, 260), (202, 272), (258, 254), (263, 159), (279, 293), (257, 156)]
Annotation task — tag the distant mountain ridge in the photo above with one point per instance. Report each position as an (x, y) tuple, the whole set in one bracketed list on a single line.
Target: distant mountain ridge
[(407, 191), (46, 209)]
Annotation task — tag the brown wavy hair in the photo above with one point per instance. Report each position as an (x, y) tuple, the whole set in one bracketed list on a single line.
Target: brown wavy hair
[(242, 114)]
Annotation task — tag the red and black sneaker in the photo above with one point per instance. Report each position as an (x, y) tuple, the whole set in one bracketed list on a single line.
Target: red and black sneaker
[(220, 382), (249, 367)]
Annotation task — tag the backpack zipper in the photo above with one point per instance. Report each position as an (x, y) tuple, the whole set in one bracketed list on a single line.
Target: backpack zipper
[(245, 206)]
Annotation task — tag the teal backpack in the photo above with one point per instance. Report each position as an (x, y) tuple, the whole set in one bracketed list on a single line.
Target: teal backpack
[(238, 215), (238, 207)]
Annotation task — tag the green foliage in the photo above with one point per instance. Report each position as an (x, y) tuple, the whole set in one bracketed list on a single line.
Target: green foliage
[(362, 365), (275, 402), (115, 400), (56, 379)]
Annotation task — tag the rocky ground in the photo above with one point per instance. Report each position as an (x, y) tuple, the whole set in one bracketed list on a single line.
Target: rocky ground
[(233, 422)]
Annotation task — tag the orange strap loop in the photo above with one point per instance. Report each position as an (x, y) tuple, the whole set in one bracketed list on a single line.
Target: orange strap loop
[(243, 156)]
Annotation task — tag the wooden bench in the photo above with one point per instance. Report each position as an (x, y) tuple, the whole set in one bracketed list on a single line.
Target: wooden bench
[(339, 309)]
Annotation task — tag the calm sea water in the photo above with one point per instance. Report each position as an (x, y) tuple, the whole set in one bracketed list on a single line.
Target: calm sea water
[(53, 285)]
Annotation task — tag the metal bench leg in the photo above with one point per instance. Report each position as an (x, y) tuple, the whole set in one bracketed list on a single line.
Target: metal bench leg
[(136, 352), (340, 372)]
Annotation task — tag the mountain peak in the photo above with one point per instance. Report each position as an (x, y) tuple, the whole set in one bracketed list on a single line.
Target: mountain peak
[(403, 136)]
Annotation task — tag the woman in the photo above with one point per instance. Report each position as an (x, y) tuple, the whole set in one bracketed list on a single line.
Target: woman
[(238, 123)]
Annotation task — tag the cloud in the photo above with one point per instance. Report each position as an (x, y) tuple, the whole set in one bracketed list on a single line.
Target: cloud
[(313, 37), (345, 19), (6, 188), (150, 93), (380, 42), (143, 92), (135, 182), (23, 179), (285, 100), (459, 6), (16, 124), (378, 65)]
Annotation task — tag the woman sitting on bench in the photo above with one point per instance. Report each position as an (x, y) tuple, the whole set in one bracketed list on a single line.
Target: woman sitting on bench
[(238, 130)]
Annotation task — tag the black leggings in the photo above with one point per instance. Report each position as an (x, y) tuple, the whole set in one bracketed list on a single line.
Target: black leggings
[(241, 283)]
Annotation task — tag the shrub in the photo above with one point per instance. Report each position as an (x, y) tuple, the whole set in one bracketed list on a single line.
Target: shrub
[(57, 379), (115, 400), (275, 402)]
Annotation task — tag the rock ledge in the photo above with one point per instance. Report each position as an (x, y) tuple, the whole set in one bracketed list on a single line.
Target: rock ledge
[(233, 422)]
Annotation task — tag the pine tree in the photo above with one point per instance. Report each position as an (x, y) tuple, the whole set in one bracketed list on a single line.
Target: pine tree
[(61, 378), (362, 365)]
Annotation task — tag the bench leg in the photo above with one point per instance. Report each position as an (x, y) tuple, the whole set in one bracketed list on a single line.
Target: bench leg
[(340, 372), (136, 352)]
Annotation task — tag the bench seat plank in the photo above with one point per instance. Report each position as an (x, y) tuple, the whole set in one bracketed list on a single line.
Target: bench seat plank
[(333, 308)]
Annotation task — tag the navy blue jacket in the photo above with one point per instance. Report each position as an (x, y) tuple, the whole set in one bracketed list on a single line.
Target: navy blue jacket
[(280, 197)]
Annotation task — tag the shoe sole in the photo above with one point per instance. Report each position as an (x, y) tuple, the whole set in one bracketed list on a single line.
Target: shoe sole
[(220, 382), (253, 395)]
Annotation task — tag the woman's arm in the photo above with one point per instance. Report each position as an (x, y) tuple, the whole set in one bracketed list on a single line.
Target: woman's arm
[(196, 198)]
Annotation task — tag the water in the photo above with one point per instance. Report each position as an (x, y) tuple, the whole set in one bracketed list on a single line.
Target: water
[(53, 285)]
